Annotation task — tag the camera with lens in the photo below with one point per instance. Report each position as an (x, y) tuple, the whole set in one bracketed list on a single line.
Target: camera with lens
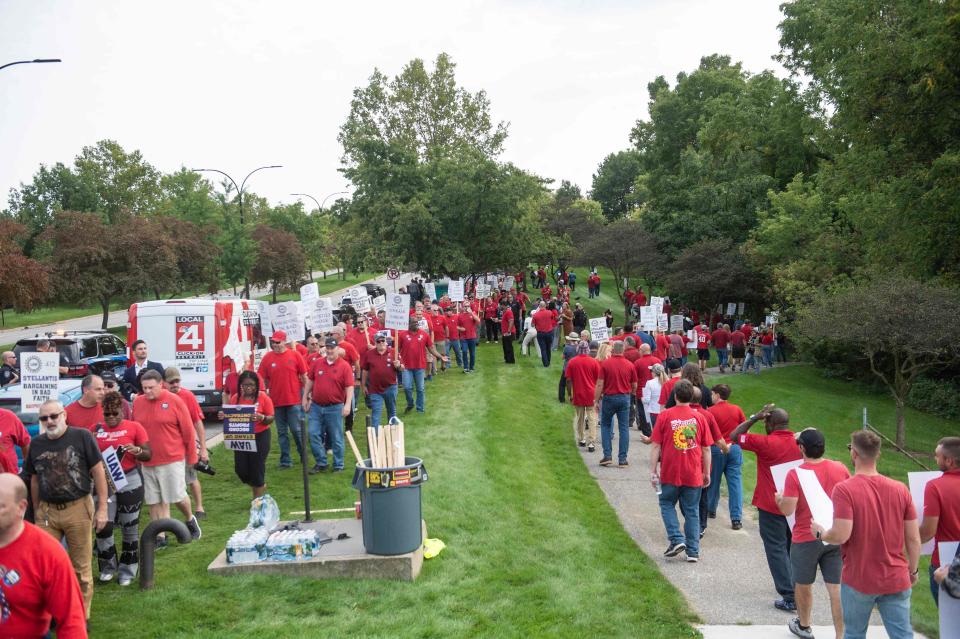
[(204, 467)]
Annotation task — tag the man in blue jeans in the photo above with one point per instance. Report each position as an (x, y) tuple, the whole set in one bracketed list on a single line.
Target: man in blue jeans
[(283, 371), (413, 347), (681, 443), (544, 320), (616, 385), (729, 464), (378, 372), (327, 399)]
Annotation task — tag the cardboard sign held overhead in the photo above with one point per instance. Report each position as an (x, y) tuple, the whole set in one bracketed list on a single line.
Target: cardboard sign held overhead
[(508, 282), (731, 308), (599, 330), (309, 293), (648, 318), (455, 291), (319, 315), (359, 299), (676, 322), (285, 317), (431, 290), (397, 312)]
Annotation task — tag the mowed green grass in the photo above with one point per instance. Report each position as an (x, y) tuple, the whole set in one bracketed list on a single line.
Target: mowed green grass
[(533, 548), (326, 286)]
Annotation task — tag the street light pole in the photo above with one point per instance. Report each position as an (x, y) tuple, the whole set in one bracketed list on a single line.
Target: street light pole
[(309, 196), (332, 194), (35, 61), (246, 283)]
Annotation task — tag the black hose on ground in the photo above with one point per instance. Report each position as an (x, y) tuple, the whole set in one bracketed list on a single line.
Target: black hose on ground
[(148, 545)]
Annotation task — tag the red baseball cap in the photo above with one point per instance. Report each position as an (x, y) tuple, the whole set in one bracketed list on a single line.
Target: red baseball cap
[(279, 336)]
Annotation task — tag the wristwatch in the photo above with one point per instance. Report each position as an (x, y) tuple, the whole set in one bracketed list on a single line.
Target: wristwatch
[(818, 534)]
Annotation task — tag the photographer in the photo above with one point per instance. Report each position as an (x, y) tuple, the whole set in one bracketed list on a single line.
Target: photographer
[(129, 439)]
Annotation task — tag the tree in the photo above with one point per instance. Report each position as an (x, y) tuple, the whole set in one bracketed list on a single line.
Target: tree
[(187, 196), (614, 181), (568, 192), (713, 272), (123, 182), (564, 224), (52, 189), (280, 261), (197, 256), (238, 252), (900, 325), (623, 247), (23, 282)]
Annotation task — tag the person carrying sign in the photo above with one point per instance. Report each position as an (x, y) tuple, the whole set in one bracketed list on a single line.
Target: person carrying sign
[(251, 466)]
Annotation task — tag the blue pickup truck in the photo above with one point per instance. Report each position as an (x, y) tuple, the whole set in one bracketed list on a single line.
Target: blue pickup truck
[(10, 399)]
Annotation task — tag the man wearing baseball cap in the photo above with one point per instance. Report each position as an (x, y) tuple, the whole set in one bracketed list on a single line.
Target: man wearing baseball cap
[(328, 398), (284, 373)]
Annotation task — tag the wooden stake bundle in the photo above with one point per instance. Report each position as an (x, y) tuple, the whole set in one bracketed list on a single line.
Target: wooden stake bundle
[(387, 446), (372, 447), (353, 446)]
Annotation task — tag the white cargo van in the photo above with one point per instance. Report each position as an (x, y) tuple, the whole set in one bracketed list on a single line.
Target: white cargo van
[(206, 339)]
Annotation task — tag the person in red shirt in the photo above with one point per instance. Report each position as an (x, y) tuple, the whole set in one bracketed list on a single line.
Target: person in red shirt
[(616, 385), (674, 370), (718, 447), (450, 318), (413, 348), (703, 346), (467, 322), (172, 383), (12, 433), (173, 439), (438, 325), (727, 464), (544, 320), (379, 377), (738, 350), (251, 466), (582, 374), (873, 521), (39, 584), (663, 345), (640, 299), (507, 329), (777, 447), (313, 353), (941, 506), (720, 339), (86, 411), (327, 399), (681, 444), (806, 551), (546, 292), (284, 372), (129, 439), (350, 353), (643, 364)]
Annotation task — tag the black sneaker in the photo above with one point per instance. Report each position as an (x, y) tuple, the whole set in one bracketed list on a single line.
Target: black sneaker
[(582, 443), (194, 527), (675, 549), (161, 543), (736, 525), (338, 470), (407, 409), (801, 631), (702, 532), (623, 464), (200, 514), (318, 469), (785, 605), (692, 559), (591, 448), (606, 461)]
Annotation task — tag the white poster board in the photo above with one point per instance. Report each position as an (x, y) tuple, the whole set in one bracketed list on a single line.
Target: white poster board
[(492, 280), (663, 321), (819, 502), (740, 307), (380, 302), (918, 483), (285, 317), (483, 291), (455, 290), (691, 340), (732, 308), (657, 304), (397, 312), (779, 473), (360, 300), (508, 282), (431, 290), (39, 377), (676, 323), (308, 294), (319, 315), (648, 318), (598, 329)]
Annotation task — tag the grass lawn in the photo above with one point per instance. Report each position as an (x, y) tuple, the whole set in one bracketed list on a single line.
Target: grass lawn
[(533, 548), (51, 314), (326, 286)]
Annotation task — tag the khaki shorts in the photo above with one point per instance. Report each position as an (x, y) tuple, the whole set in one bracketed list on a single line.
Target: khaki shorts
[(189, 473), (164, 484)]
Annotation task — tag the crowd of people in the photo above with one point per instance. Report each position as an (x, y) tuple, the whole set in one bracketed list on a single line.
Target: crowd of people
[(640, 379)]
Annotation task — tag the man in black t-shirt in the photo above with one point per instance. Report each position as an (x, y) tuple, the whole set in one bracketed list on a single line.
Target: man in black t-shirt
[(62, 464), (8, 369)]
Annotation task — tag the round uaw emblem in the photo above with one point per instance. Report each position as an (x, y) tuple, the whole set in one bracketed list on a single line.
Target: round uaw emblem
[(281, 310), (33, 363)]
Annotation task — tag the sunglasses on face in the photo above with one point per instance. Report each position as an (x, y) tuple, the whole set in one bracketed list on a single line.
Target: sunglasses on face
[(111, 413), (109, 385), (52, 416), (273, 343)]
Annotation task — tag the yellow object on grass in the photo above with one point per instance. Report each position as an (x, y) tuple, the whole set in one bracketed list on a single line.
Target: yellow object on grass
[(432, 548)]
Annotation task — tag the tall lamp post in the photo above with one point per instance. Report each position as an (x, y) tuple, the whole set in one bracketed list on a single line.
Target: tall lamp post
[(246, 283), (34, 61)]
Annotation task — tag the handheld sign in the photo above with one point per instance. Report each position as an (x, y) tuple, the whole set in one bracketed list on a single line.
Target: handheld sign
[(39, 377), (359, 299), (431, 289), (238, 427), (598, 329), (821, 507), (731, 308), (508, 282), (740, 306), (114, 470), (676, 322), (380, 302), (918, 484), (309, 293), (779, 473), (657, 303), (397, 312), (663, 321), (285, 317), (483, 291), (320, 315), (455, 291), (648, 318)]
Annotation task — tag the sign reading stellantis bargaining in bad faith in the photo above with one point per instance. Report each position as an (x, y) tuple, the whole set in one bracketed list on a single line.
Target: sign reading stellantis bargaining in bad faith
[(39, 374), (397, 312), (455, 291), (285, 317), (239, 427), (598, 329)]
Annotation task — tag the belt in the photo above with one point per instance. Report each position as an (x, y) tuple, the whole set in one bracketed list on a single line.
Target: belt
[(63, 505)]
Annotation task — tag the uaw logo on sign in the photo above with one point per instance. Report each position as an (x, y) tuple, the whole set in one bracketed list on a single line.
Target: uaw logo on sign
[(40, 376), (33, 364)]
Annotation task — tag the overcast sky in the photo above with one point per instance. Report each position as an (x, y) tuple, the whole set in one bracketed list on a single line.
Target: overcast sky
[(240, 84)]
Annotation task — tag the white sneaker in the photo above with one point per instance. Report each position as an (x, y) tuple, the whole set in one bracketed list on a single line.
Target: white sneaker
[(106, 576), (125, 581)]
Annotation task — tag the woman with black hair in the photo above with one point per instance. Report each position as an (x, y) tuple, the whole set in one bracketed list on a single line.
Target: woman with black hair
[(251, 467)]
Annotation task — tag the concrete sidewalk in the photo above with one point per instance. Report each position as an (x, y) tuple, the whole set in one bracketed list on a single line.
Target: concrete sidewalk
[(731, 585)]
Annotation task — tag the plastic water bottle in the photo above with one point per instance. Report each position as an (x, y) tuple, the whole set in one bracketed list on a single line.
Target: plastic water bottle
[(657, 486)]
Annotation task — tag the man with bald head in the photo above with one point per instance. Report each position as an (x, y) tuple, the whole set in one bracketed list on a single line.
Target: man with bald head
[(37, 582), (778, 446)]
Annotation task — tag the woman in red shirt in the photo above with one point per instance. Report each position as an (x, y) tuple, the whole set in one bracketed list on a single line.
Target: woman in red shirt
[(129, 439), (766, 346), (251, 467)]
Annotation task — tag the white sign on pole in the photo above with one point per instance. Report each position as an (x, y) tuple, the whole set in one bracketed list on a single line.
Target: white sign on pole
[(779, 473), (648, 318), (359, 299), (731, 308), (285, 317), (380, 302), (663, 321), (740, 307), (319, 315), (39, 377), (918, 483), (455, 291), (691, 340), (657, 303), (397, 312), (598, 329), (483, 291), (308, 294), (431, 289), (508, 282), (492, 280), (115, 471), (676, 322), (821, 507)]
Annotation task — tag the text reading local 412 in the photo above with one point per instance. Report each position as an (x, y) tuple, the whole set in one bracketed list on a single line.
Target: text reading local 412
[(238, 427)]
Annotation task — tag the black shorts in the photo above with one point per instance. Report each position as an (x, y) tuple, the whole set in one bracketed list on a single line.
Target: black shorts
[(807, 555), (703, 354), (737, 352), (251, 468)]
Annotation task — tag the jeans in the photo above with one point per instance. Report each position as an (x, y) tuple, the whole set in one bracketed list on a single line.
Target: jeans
[(776, 534), (751, 360), (689, 498), (731, 467), (326, 425), (413, 376), (453, 345), (288, 417), (469, 347), (387, 398), (618, 405), (544, 341), (894, 611), (767, 355), (722, 354)]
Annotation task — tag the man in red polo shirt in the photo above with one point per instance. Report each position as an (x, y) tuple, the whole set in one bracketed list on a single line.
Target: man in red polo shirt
[(284, 373), (12, 433), (582, 374), (507, 328), (778, 446), (941, 506), (327, 399), (544, 320), (643, 364), (616, 385), (730, 463), (350, 353), (720, 338), (171, 379), (681, 444), (86, 412), (414, 344), (379, 378)]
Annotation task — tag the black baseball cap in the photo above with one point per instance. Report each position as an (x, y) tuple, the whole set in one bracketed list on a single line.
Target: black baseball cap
[(811, 438), (330, 341), (673, 364)]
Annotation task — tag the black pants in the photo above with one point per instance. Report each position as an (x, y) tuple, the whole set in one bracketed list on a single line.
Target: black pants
[(507, 341), (493, 329), (562, 388), (775, 533), (545, 340)]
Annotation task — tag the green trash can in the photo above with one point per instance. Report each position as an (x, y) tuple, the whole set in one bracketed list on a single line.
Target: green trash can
[(390, 507)]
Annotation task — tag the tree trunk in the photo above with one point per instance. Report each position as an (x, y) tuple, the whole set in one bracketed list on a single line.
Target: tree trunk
[(274, 291), (105, 305), (156, 293), (901, 422)]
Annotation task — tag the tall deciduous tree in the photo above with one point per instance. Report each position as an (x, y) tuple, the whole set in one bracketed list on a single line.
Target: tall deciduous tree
[(280, 261), (713, 272), (614, 183), (625, 248), (23, 281)]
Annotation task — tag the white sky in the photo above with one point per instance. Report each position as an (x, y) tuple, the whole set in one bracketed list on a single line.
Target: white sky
[(240, 84)]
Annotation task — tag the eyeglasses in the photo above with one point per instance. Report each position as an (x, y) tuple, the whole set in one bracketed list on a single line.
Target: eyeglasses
[(109, 385), (52, 416), (111, 413), (273, 343)]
